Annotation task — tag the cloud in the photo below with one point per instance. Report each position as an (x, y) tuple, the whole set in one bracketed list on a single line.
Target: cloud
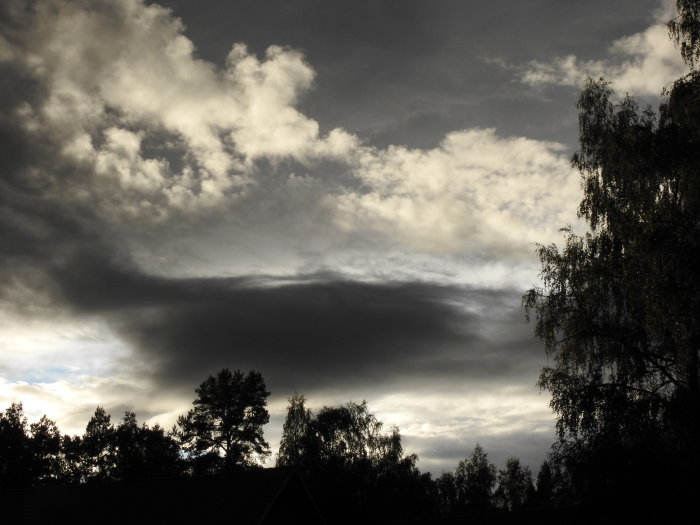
[(130, 139), (639, 64), (124, 156), (477, 193), (154, 339), (307, 332), (303, 332), (114, 127), (126, 98)]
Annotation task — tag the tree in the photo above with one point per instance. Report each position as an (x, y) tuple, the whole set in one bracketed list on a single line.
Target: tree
[(295, 433), (619, 310), (446, 486), (352, 464), (73, 460), (45, 446), (161, 452), (224, 429), (99, 447), (475, 478), (544, 494), (144, 451), (685, 30), (515, 488), (15, 453), (129, 453), (344, 436)]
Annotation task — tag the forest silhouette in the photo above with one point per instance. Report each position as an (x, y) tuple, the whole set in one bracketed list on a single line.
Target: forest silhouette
[(355, 471), (618, 314)]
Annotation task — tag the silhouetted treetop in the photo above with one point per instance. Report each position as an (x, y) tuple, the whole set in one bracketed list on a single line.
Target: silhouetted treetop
[(224, 429), (515, 488), (619, 309), (295, 433), (475, 478), (15, 451), (359, 472), (685, 30), (99, 446)]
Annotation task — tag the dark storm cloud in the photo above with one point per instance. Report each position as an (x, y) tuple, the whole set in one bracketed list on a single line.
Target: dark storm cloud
[(309, 332)]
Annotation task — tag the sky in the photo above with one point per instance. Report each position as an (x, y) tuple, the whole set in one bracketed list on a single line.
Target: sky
[(345, 196)]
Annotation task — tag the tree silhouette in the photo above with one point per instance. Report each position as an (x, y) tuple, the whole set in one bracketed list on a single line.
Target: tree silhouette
[(98, 447), (73, 460), (144, 451), (161, 452), (475, 478), (129, 453), (515, 488), (685, 30), (352, 465), (446, 485), (544, 494), (224, 429), (29, 454), (15, 452), (619, 312), (45, 447), (294, 443)]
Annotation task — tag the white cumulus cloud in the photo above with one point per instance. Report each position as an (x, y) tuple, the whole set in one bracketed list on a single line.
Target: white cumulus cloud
[(120, 73), (158, 132), (476, 192)]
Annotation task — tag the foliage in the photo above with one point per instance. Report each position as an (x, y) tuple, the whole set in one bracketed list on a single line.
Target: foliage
[(224, 429), (352, 464), (544, 494), (144, 451), (340, 437), (99, 447), (685, 30), (45, 446), (515, 487), (15, 456), (619, 310), (295, 433), (357, 471), (29, 454), (72, 460), (446, 488), (475, 478)]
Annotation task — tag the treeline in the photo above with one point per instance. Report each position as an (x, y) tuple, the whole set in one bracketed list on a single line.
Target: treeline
[(350, 463), (347, 459)]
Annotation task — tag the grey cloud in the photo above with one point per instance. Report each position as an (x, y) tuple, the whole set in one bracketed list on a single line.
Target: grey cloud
[(329, 334), (307, 333), (304, 334), (314, 333)]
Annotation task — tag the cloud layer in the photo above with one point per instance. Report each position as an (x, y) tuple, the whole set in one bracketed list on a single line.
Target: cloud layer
[(147, 134), (196, 218)]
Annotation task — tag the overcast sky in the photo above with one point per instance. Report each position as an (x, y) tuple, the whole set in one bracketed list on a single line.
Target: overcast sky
[(342, 195)]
